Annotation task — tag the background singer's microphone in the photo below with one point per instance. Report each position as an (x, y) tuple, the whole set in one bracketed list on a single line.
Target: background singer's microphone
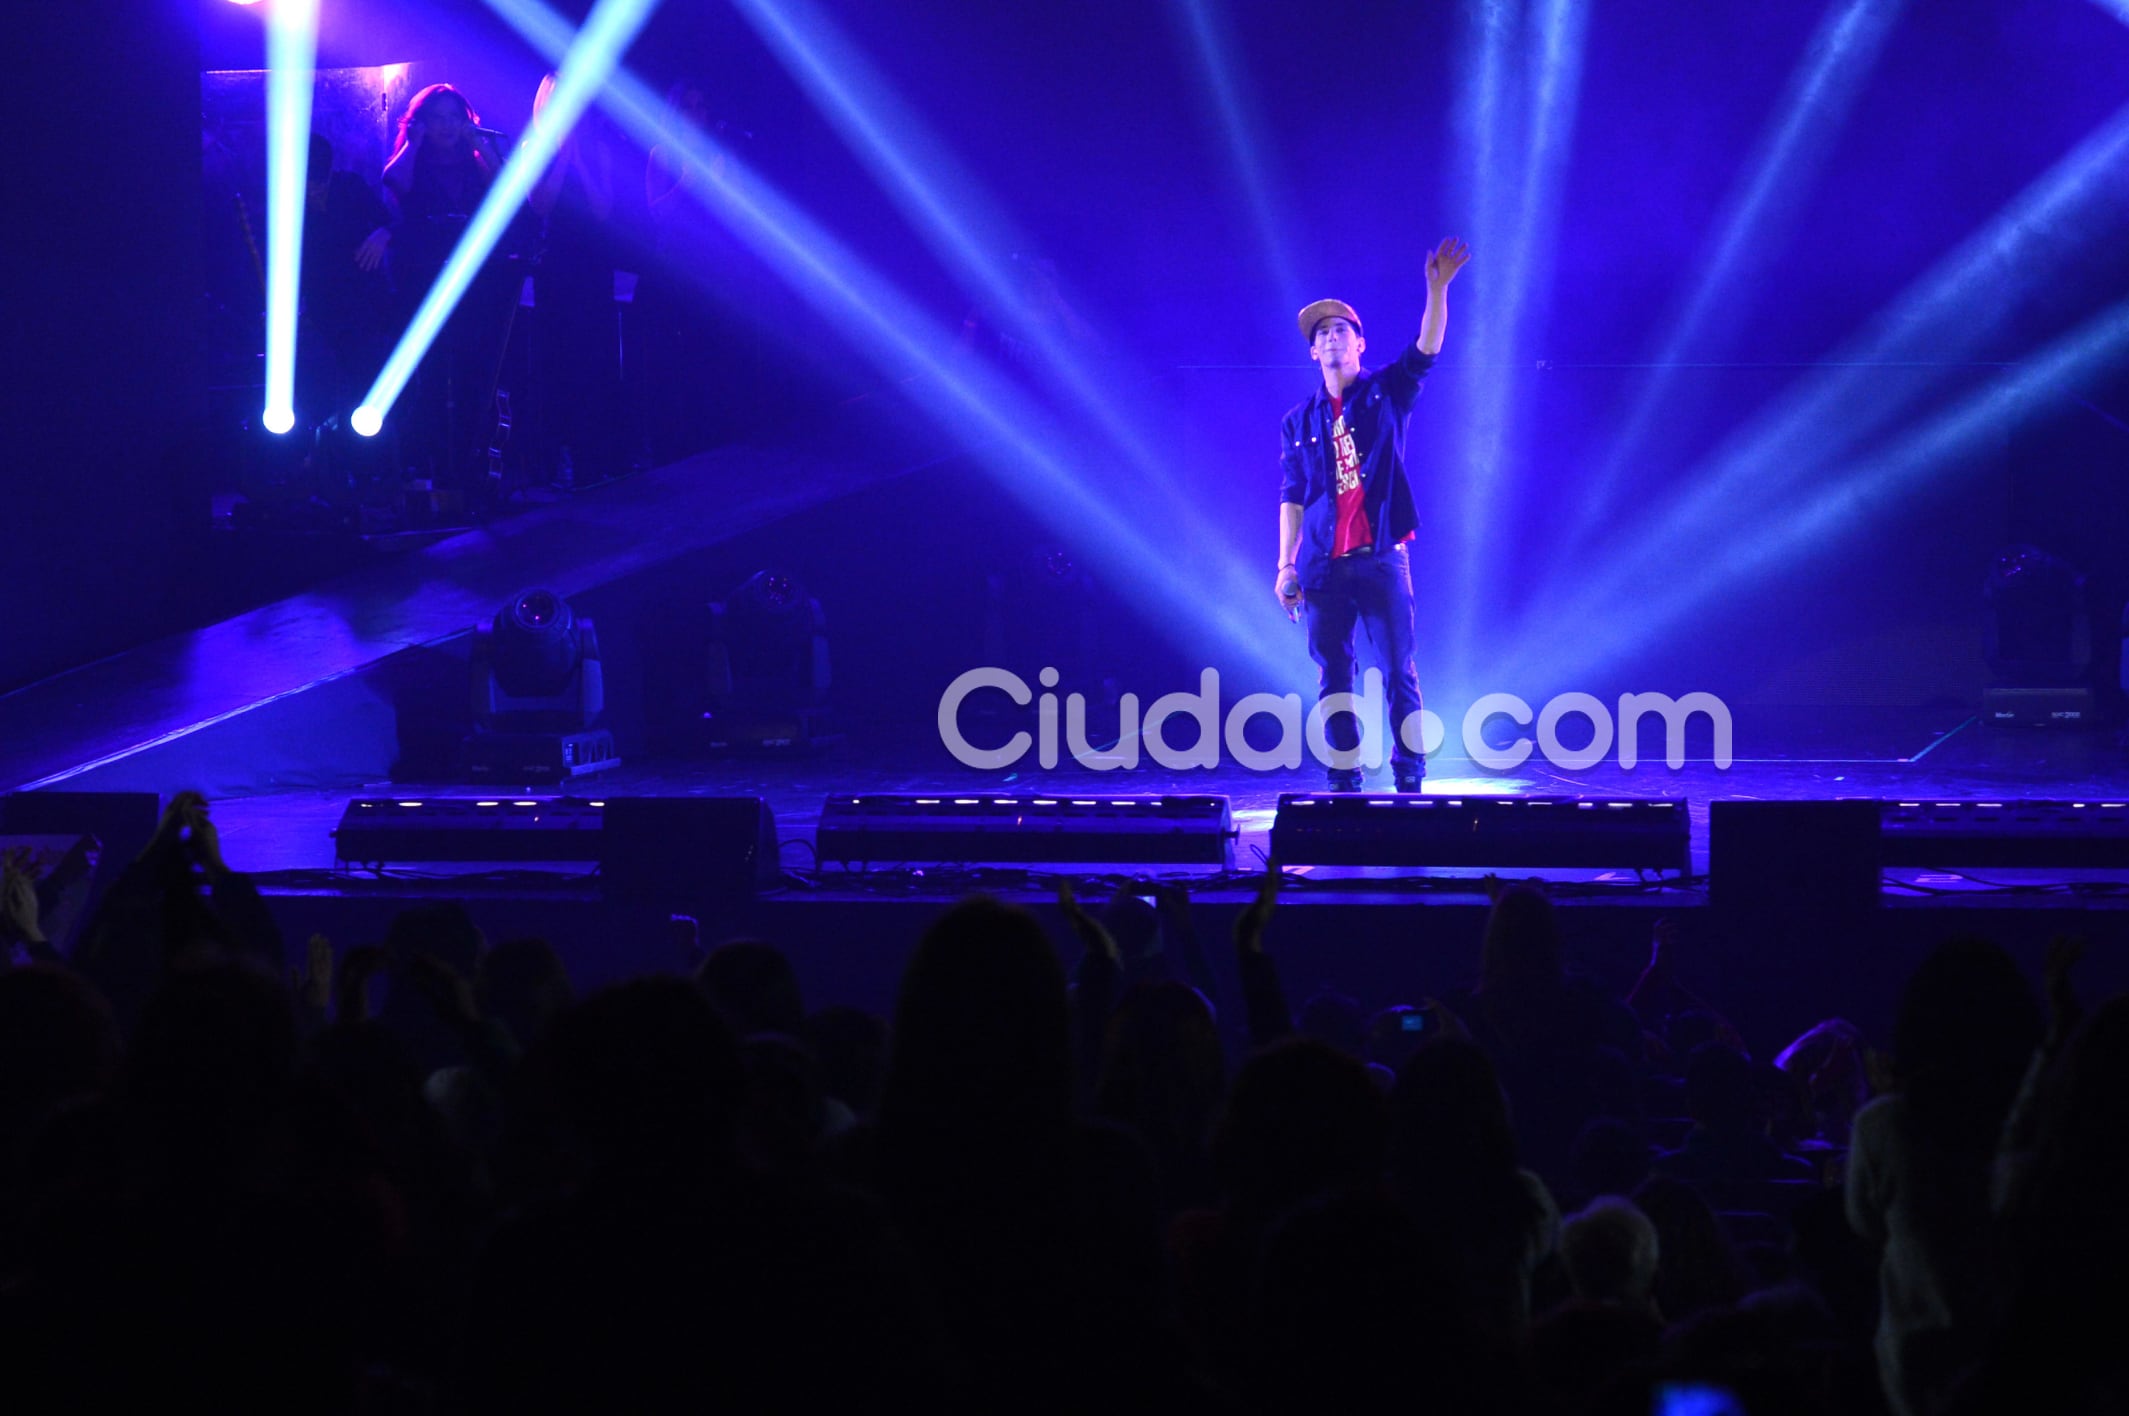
[(499, 136), (1288, 589)]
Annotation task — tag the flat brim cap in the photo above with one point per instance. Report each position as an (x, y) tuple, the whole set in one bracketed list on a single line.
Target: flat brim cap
[(1316, 314)]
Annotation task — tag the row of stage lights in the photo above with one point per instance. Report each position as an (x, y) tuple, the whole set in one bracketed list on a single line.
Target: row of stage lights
[(1641, 834)]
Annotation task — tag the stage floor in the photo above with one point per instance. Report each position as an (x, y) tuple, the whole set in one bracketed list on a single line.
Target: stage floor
[(1377, 935), (1780, 755)]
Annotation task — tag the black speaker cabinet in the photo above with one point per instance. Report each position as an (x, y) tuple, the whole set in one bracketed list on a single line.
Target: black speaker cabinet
[(687, 851), (1794, 857)]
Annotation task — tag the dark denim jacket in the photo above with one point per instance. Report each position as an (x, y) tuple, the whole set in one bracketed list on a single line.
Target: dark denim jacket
[(1377, 408)]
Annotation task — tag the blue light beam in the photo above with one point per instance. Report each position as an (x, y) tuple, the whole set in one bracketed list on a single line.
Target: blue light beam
[(964, 228), (1517, 222), (1000, 427), (1883, 373), (579, 73), (1820, 95), (1589, 634), (926, 183), (291, 65), (1219, 65), (1481, 126)]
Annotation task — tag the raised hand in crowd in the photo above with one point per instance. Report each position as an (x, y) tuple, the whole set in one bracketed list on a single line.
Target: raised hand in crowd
[(1087, 929), (447, 990), (312, 981), (2059, 992), (19, 915), (684, 933), (1250, 924), (357, 970), (1658, 993), (1173, 903), (1264, 1004)]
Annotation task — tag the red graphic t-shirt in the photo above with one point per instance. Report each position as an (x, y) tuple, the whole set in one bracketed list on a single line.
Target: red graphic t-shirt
[(1352, 531)]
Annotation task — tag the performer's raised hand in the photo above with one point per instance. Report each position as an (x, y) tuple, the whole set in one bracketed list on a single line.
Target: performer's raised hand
[(1444, 261)]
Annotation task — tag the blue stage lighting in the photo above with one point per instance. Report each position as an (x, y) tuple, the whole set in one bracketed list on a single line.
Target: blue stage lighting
[(1000, 426), (1215, 50), (1515, 216), (607, 33), (950, 208), (1820, 94), (1905, 354), (366, 421), (292, 59), (1610, 620)]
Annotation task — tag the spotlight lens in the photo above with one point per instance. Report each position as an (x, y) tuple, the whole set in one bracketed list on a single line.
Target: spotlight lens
[(366, 421), (279, 420)]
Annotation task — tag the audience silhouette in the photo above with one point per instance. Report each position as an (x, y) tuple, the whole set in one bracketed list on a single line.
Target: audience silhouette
[(229, 1182)]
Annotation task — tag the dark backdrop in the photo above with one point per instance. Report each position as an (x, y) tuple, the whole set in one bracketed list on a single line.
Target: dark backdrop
[(104, 402)]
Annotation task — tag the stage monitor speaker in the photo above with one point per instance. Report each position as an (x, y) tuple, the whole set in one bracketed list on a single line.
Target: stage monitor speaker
[(382, 830), (1793, 856), (1346, 828), (688, 851), (685, 850), (2062, 835), (983, 829)]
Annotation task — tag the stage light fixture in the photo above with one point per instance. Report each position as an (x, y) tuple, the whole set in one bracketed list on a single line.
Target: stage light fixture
[(2037, 639), (1344, 828), (292, 60), (2008, 834), (538, 691), (366, 421), (2039, 627), (670, 852), (768, 667), (981, 828)]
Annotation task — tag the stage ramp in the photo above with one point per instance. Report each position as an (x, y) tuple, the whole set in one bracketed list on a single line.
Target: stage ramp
[(339, 685)]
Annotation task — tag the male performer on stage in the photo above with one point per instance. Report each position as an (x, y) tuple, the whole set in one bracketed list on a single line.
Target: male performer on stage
[(1346, 511)]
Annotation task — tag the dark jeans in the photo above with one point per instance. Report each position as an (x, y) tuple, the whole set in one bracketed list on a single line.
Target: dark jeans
[(1375, 590)]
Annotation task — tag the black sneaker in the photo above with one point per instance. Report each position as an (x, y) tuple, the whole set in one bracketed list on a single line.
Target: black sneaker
[(1411, 776), (1346, 781)]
